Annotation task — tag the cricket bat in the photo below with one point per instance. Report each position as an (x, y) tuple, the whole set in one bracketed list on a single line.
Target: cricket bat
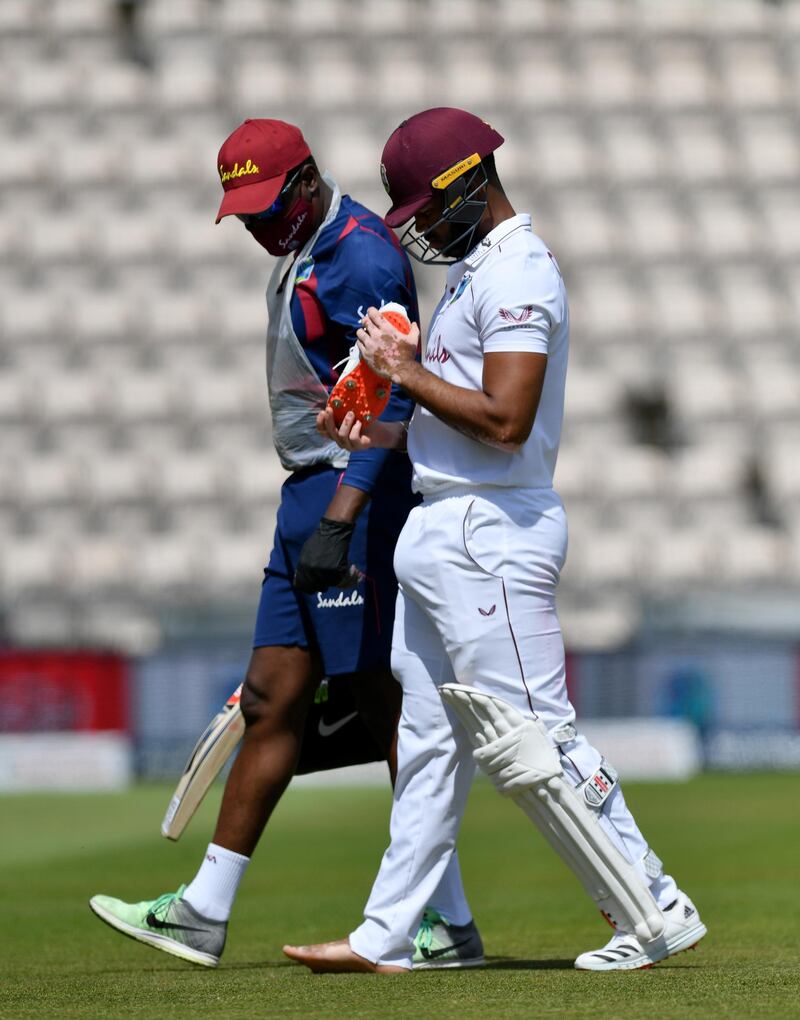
[(216, 744)]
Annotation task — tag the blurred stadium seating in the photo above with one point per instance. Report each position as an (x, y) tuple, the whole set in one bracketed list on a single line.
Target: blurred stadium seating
[(657, 145)]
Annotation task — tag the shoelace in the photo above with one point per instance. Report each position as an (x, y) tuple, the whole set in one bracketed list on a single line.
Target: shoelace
[(164, 902), (344, 361), (425, 936)]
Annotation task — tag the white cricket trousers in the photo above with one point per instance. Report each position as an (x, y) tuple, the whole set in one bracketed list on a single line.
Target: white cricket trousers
[(477, 573)]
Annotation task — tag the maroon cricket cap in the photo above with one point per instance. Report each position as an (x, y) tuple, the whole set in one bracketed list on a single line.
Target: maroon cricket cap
[(423, 148), (253, 163)]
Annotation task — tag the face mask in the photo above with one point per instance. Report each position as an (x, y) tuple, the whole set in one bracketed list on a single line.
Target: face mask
[(286, 233)]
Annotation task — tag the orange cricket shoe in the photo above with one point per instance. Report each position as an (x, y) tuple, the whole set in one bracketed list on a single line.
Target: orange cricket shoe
[(360, 389)]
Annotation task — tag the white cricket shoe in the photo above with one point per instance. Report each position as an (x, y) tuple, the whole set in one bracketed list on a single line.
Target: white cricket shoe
[(683, 930)]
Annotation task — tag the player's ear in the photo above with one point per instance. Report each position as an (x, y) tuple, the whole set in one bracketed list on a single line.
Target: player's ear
[(309, 177)]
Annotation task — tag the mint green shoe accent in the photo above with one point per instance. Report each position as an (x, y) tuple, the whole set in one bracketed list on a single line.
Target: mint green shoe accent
[(168, 923), (440, 945)]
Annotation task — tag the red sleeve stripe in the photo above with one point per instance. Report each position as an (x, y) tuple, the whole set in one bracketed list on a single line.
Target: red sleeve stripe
[(351, 225), (310, 307)]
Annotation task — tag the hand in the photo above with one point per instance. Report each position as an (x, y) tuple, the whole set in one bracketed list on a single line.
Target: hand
[(354, 435), (324, 561), (384, 348)]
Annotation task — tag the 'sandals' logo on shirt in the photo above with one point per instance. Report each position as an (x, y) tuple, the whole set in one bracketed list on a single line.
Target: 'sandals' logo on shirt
[(340, 600), (516, 317)]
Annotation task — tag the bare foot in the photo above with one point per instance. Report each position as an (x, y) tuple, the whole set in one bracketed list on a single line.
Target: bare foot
[(338, 958)]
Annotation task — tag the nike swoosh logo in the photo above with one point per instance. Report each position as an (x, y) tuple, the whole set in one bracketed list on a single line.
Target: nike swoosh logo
[(154, 922), (433, 954), (326, 730)]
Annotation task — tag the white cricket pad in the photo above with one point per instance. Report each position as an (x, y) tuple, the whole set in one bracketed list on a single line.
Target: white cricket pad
[(519, 757)]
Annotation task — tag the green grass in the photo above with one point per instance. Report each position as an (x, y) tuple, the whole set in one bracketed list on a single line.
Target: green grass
[(731, 840)]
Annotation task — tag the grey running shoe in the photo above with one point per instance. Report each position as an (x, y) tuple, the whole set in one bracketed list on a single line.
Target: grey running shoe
[(441, 945), (168, 923)]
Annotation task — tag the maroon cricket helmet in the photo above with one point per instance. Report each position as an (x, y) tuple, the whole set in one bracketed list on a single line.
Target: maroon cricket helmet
[(423, 148)]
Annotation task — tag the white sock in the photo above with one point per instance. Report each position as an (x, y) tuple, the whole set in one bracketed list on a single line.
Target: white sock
[(214, 887)]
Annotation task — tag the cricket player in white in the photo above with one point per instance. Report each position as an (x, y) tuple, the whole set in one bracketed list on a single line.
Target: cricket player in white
[(477, 643)]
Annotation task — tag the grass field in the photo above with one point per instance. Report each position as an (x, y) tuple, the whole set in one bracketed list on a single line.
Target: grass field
[(732, 841)]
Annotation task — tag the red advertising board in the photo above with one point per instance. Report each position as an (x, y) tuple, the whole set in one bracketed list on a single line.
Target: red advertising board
[(47, 691)]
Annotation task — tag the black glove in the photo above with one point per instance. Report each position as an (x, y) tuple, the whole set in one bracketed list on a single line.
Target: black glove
[(323, 559)]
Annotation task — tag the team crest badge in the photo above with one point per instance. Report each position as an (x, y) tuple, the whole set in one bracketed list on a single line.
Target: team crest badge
[(304, 270), (385, 179), (463, 283)]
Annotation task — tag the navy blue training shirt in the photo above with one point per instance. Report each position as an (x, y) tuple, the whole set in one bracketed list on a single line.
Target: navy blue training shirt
[(356, 262)]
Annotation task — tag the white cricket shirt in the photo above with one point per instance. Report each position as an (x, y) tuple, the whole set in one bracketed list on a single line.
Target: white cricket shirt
[(506, 295)]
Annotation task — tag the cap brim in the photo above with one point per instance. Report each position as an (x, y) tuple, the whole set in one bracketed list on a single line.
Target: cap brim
[(250, 198), (397, 216)]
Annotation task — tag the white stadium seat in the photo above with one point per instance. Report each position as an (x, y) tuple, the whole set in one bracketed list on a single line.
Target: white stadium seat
[(538, 76), (751, 76), (679, 76), (609, 74), (116, 477), (655, 225), (49, 479), (562, 150), (750, 555), (678, 303), (681, 557), (705, 390), (779, 209), (33, 562), (773, 386), (70, 396), (245, 18), (705, 470), (584, 228), (770, 147), (141, 396), (166, 562), (606, 558), (187, 83), (724, 224), (237, 561), (103, 562), (254, 82), (751, 298), (604, 302), (112, 88), (699, 149), (633, 472), (187, 477), (634, 150), (592, 394)]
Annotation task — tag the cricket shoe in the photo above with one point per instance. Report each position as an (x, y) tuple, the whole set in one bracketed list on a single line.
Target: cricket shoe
[(359, 388), (683, 930), (168, 923), (440, 945)]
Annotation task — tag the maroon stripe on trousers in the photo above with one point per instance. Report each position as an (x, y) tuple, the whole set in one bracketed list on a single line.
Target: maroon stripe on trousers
[(505, 602), (516, 649)]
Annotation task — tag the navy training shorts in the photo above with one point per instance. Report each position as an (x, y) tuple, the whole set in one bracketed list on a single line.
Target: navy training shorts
[(351, 628)]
